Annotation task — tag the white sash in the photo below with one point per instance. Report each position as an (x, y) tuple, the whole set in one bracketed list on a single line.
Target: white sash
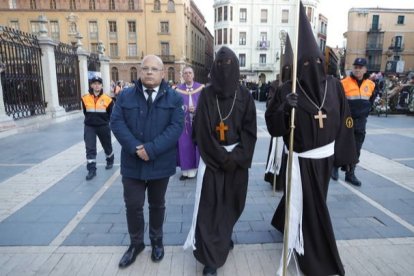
[(295, 238), (190, 241), (275, 156)]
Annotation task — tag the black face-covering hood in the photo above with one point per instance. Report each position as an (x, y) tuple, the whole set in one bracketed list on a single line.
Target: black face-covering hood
[(225, 77), (287, 61), (311, 76)]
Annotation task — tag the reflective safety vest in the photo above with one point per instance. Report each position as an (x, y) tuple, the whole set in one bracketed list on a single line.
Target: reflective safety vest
[(355, 92), (97, 110)]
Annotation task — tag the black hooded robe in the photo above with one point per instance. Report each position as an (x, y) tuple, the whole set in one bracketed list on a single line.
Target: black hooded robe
[(321, 254), (224, 190)]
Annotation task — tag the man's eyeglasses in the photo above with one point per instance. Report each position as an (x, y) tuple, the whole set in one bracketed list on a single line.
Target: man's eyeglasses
[(152, 69)]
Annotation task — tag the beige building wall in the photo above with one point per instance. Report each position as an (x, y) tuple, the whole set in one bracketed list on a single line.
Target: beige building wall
[(363, 29), (162, 28)]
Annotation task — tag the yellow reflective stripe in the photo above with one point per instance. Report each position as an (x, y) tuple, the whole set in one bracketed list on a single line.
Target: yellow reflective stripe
[(357, 97), (95, 110)]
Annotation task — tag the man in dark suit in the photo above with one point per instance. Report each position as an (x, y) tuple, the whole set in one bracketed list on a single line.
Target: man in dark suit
[(147, 120)]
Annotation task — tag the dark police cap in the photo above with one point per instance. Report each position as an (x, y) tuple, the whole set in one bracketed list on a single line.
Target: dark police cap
[(95, 79), (360, 62)]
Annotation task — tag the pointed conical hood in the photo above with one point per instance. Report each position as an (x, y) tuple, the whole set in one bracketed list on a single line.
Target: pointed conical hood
[(310, 71), (287, 61)]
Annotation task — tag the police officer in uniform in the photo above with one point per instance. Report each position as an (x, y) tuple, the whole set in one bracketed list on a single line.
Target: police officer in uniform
[(97, 108), (359, 91)]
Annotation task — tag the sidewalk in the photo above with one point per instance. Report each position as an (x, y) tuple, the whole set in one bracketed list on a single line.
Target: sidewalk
[(53, 222)]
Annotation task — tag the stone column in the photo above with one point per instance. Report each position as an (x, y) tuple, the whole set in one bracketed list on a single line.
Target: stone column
[(49, 71), (104, 60), (83, 66)]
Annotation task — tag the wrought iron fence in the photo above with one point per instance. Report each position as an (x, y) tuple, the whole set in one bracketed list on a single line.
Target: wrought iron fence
[(67, 74), (23, 90)]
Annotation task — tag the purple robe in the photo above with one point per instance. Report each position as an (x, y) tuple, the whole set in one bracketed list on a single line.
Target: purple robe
[(188, 155)]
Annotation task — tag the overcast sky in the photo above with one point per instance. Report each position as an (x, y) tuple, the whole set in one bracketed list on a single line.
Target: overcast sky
[(335, 10)]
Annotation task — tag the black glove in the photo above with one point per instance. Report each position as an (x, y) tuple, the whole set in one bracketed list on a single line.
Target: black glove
[(291, 101)]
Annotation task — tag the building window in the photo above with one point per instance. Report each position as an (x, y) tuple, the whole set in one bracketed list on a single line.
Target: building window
[(112, 5), (400, 19), (219, 36), (285, 16), (242, 60), (113, 49), (396, 58), (262, 59), (54, 30), (171, 6), (171, 74), (219, 14), (72, 5), (242, 38), (165, 48), (132, 49), (398, 42), (53, 4), (112, 29), (215, 15), (231, 36), (132, 30), (33, 5), (134, 74), (263, 16), (243, 15), (14, 24), (13, 4), (231, 13), (157, 5), (225, 36), (92, 5), (225, 13), (34, 27), (94, 47), (114, 74), (131, 5), (93, 30), (165, 27), (375, 22), (309, 13)]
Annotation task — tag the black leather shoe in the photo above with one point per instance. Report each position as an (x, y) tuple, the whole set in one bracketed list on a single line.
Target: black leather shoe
[(183, 177), (91, 174), (209, 271), (109, 166), (334, 173), (130, 255), (157, 253), (352, 179)]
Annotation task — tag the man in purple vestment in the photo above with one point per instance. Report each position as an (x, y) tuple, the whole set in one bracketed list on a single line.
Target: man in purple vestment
[(188, 155)]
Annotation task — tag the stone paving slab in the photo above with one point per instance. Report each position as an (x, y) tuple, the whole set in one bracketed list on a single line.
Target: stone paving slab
[(360, 257)]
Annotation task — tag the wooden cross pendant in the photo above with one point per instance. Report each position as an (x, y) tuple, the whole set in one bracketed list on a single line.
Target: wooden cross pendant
[(221, 128), (320, 117)]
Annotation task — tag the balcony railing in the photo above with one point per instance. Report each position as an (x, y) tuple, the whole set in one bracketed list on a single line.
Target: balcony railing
[(263, 44), (375, 27), (167, 58), (397, 48), (263, 66), (374, 47)]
